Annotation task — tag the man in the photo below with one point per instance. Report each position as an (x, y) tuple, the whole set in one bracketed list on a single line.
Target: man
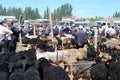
[(56, 31), (21, 20), (80, 37), (14, 37), (107, 31), (117, 31), (112, 32), (23, 31), (47, 31), (4, 34)]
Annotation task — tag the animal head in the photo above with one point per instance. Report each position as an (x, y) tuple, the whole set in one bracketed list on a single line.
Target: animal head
[(42, 62), (105, 56)]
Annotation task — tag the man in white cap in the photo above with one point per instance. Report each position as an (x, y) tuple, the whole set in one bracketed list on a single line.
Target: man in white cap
[(80, 37)]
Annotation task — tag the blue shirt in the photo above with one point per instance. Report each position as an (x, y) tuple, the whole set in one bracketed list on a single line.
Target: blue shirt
[(80, 36), (56, 31)]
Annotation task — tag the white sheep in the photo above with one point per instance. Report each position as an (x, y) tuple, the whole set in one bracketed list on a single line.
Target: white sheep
[(55, 57)]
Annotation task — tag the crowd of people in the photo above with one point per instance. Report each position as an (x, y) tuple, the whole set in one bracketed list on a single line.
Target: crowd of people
[(9, 35)]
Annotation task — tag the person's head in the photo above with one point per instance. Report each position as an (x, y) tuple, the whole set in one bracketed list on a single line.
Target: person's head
[(10, 24), (112, 27), (1, 22), (80, 27), (116, 27), (56, 27), (22, 27)]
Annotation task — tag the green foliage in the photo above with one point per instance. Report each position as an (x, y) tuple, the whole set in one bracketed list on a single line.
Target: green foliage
[(46, 13), (116, 14), (64, 11), (96, 19), (28, 13)]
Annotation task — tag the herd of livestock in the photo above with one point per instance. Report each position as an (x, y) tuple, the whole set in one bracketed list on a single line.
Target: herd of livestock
[(42, 57)]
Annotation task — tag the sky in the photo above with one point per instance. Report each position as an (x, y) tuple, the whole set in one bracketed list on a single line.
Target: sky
[(81, 8)]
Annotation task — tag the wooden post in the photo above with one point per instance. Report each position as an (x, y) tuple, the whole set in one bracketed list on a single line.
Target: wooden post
[(95, 38), (20, 38), (51, 26), (34, 28)]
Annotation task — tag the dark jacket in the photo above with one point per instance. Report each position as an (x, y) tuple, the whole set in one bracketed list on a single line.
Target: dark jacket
[(15, 34), (80, 36)]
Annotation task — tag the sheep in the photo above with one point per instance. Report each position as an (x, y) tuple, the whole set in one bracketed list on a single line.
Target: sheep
[(110, 44), (32, 74), (81, 53), (51, 72), (117, 48), (56, 57), (4, 61), (91, 52), (40, 53), (25, 40), (114, 70), (66, 42), (18, 74), (43, 44), (99, 70), (4, 75), (24, 58), (81, 69), (105, 56)]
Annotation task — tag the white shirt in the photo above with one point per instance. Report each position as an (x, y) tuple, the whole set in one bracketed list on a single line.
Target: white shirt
[(107, 30), (4, 32), (100, 30), (104, 27), (112, 32)]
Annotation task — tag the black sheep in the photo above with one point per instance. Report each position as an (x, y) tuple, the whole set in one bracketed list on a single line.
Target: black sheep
[(99, 70), (114, 70), (4, 61), (91, 53), (42, 44), (32, 74), (24, 58), (18, 74), (31, 57), (4, 75), (25, 40), (51, 72)]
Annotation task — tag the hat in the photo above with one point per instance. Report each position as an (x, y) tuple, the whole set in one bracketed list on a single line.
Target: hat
[(81, 27)]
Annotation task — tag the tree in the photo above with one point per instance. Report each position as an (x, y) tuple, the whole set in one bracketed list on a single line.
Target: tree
[(46, 13), (4, 11), (116, 14), (64, 11), (1, 9)]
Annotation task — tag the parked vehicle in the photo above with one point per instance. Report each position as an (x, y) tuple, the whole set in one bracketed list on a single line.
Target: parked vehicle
[(64, 24), (105, 24), (116, 23), (85, 24), (43, 22)]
